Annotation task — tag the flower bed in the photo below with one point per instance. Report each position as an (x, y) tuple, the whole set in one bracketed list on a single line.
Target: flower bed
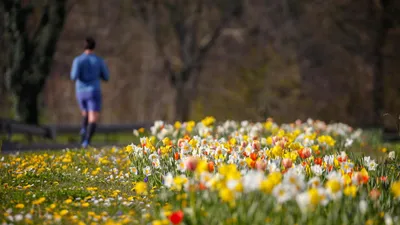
[(209, 173)]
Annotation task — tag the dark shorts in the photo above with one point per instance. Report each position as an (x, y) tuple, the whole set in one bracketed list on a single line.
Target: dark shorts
[(89, 101)]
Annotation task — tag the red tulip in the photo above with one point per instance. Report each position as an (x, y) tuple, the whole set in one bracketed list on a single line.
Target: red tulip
[(253, 156), (318, 161), (176, 156), (176, 217), (305, 153)]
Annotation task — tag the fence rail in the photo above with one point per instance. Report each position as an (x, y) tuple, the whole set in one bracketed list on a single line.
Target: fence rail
[(12, 127), (101, 128)]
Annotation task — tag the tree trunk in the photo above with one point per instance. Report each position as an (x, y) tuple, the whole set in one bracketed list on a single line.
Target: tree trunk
[(27, 105), (377, 62), (32, 55), (182, 103), (378, 79)]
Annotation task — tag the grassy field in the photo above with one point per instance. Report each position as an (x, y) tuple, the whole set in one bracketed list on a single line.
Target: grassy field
[(204, 173), (74, 138)]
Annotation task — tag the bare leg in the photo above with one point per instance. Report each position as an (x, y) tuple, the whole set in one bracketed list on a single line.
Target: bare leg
[(93, 116)]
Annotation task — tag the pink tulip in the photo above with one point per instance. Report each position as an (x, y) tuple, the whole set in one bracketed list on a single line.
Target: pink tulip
[(287, 163)]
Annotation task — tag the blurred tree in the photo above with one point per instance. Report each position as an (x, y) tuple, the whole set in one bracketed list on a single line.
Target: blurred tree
[(188, 29), (364, 32), (388, 16), (32, 31), (338, 47), (2, 55), (4, 106), (286, 59)]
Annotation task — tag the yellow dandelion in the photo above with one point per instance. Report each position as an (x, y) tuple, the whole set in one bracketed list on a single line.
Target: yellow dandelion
[(141, 187), (39, 201), (63, 212)]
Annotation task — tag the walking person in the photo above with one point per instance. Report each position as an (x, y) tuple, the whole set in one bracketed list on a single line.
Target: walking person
[(87, 71)]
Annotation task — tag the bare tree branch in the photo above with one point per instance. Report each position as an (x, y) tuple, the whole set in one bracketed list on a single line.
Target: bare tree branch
[(71, 5), (182, 19), (43, 22)]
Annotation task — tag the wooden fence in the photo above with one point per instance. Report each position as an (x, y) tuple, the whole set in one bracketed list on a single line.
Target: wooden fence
[(11, 127)]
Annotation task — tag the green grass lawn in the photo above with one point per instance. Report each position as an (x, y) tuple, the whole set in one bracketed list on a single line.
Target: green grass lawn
[(115, 138)]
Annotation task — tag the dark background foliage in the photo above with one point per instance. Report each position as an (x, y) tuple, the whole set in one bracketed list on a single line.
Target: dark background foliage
[(179, 59)]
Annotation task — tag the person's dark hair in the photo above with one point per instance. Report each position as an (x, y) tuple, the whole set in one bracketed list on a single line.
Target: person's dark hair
[(90, 43)]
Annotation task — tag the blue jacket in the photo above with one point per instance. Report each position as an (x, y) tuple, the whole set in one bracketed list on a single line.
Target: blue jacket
[(87, 72)]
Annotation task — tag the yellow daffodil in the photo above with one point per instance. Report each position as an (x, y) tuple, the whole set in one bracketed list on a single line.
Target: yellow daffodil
[(395, 188), (350, 190)]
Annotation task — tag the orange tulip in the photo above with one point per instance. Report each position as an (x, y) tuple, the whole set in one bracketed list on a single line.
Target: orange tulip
[(210, 166)]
